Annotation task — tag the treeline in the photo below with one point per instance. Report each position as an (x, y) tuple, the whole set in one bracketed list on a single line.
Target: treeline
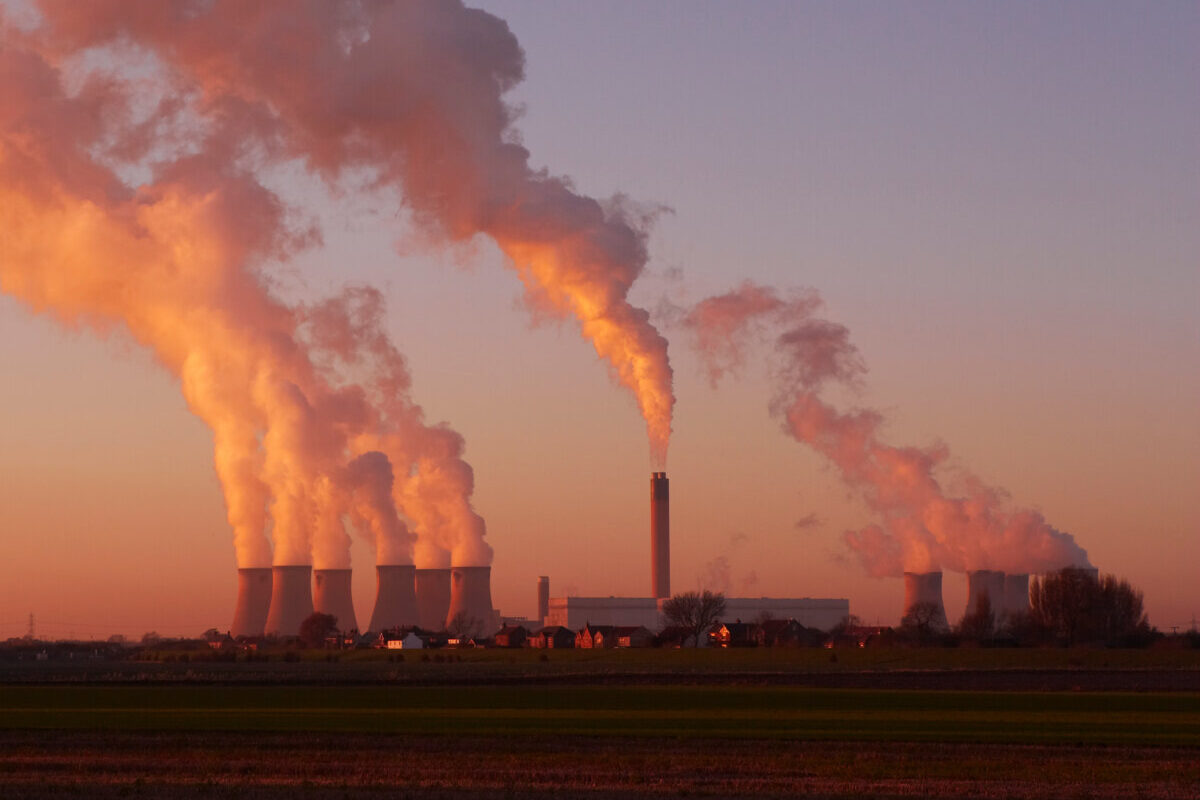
[(1066, 608)]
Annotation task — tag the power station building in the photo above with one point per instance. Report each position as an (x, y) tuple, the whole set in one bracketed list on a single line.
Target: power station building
[(575, 612)]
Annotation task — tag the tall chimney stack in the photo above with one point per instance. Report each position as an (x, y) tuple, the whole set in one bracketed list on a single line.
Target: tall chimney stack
[(333, 596), (291, 599), (660, 535), (253, 602), (471, 596), (433, 597), (988, 582), (543, 598), (395, 597), (925, 587)]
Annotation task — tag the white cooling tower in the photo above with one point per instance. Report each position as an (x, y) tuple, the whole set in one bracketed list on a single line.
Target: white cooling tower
[(985, 582), (291, 599), (1016, 594), (332, 595), (471, 595), (925, 587), (395, 597), (253, 602), (433, 597)]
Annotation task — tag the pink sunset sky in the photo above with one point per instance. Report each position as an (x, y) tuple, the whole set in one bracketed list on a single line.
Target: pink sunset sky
[(999, 202)]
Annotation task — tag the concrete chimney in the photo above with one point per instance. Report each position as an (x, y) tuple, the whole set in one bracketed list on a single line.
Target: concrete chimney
[(471, 594), (395, 597), (543, 598), (925, 587), (291, 599), (332, 595), (1016, 594), (660, 535), (433, 598), (989, 582), (253, 602)]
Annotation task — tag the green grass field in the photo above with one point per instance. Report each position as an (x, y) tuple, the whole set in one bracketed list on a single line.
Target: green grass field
[(736, 712)]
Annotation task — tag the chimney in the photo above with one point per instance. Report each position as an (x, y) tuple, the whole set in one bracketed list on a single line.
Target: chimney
[(433, 598), (253, 602), (471, 595), (333, 596), (543, 598), (291, 599), (925, 587), (395, 597), (1016, 594), (989, 582), (660, 535)]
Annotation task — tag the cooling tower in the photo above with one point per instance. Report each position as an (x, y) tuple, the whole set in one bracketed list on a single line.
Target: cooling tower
[(395, 598), (433, 598), (332, 595), (253, 602), (989, 582), (291, 599), (660, 535), (1016, 594), (925, 587), (471, 594), (543, 598)]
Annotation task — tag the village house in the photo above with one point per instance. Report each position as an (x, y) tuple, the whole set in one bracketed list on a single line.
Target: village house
[(787, 633), (553, 637), (595, 636), (734, 634), (632, 636), (511, 636)]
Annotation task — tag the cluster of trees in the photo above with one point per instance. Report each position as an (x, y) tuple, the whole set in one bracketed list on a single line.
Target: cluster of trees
[(1069, 607)]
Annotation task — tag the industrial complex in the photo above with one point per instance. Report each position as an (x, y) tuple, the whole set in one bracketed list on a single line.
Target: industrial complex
[(275, 601)]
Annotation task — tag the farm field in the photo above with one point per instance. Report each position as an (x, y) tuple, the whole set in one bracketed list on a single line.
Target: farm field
[(932, 668), (489, 724), (58, 764), (1109, 718)]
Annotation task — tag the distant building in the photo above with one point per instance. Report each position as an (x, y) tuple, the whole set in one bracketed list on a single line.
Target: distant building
[(575, 612)]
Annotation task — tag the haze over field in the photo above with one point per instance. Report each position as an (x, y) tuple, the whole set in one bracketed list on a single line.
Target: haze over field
[(335, 229)]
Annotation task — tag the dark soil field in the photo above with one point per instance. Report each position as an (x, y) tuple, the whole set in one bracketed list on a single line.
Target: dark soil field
[(488, 724), (225, 765)]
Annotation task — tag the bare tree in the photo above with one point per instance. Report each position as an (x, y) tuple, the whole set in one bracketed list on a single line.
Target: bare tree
[(694, 612), (923, 622), (1072, 606), (980, 623), (316, 627), (463, 626)]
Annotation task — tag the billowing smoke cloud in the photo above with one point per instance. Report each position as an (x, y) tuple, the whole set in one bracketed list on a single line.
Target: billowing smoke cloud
[(921, 526), (301, 440), (412, 92)]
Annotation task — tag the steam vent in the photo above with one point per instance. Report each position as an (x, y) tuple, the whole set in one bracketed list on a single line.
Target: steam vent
[(291, 599), (925, 587), (471, 595), (253, 602), (332, 596), (433, 598), (395, 597), (660, 535), (982, 582)]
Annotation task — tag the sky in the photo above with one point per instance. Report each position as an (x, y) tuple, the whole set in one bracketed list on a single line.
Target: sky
[(999, 201)]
